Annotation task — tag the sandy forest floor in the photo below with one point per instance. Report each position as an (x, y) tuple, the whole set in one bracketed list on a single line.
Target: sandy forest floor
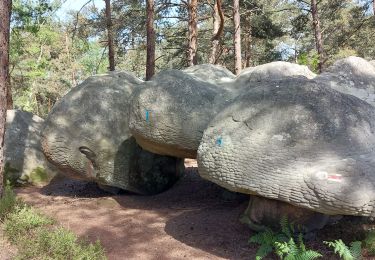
[(195, 219)]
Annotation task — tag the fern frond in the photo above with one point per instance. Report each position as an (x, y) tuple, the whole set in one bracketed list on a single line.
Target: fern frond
[(354, 252), (263, 251), (308, 255), (286, 227)]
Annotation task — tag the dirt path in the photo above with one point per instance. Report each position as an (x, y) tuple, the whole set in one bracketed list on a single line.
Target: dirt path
[(193, 220), (7, 251)]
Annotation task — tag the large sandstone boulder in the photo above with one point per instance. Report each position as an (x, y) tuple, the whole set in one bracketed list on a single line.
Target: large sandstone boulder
[(300, 143), (168, 116), (86, 135), (352, 75), (24, 159), (214, 74), (273, 71)]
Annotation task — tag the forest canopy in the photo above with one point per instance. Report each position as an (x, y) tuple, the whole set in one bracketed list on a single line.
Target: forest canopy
[(51, 54)]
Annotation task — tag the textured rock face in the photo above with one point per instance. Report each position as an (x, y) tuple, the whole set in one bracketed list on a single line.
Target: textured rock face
[(168, 116), (24, 158), (300, 142), (273, 71), (352, 75), (87, 136)]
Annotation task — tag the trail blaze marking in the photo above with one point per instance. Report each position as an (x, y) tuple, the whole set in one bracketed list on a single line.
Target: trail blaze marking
[(335, 177), (147, 115), (219, 141)]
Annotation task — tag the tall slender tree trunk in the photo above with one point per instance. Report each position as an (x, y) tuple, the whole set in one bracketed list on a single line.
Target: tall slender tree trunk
[(373, 7), (248, 58), (111, 50), (5, 11), (218, 26), (317, 33), (237, 37), (150, 62), (193, 33)]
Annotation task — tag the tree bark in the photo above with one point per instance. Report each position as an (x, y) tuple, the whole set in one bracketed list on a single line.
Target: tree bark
[(5, 11), (150, 62), (237, 37), (193, 33), (248, 58), (111, 51), (218, 26), (317, 33)]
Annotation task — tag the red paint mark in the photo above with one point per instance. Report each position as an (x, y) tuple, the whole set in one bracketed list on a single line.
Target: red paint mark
[(335, 177)]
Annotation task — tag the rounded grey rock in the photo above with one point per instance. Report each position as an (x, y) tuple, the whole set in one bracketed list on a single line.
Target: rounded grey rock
[(86, 135), (301, 143), (214, 74), (273, 71), (352, 75), (168, 115), (23, 156)]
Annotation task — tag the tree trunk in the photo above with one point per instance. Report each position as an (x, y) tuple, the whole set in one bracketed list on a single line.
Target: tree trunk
[(193, 33), (248, 58), (318, 34), (218, 27), (111, 51), (5, 10), (373, 6), (237, 37), (150, 62)]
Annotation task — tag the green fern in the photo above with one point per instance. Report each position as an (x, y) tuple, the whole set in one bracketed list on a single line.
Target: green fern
[(291, 251), (353, 252), (282, 243), (266, 240)]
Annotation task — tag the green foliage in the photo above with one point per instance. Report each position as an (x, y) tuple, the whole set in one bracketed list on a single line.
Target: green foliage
[(23, 219), (369, 242), (352, 252), (282, 243), (291, 251), (7, 202), (37, 238), (38, 176), (58, 244)]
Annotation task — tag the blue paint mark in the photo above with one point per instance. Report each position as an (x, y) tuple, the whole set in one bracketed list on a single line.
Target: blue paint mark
[(147, 115), (219, 141)]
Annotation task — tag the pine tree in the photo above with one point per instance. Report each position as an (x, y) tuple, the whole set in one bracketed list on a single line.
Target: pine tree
[(5, 11)]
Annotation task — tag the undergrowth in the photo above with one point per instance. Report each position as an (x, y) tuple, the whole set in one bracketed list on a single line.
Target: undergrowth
[(38, 237), (352, 252), (282, 243), (289, 246)]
